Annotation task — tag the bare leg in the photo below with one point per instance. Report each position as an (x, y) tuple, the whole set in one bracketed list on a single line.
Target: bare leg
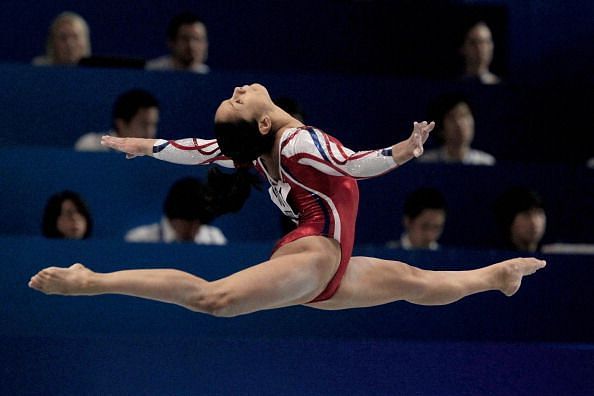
[(297, 273), (371, 281)]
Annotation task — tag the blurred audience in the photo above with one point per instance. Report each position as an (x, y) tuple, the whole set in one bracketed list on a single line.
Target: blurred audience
[(187, 212), (477, 53), (455, 130), (187, 40), (522, 219), (135, 113), (66, 216), (68, 41), (424, 220)]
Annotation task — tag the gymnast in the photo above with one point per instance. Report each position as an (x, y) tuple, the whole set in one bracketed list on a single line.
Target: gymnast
[(313, 179)]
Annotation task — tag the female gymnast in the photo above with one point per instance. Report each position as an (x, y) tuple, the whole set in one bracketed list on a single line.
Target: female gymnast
[(313, 179)]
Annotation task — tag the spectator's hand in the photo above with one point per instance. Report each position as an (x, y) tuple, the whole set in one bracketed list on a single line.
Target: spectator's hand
[(133, 147)]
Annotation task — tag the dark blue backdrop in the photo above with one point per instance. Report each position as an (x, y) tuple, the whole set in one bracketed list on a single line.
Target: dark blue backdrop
[(537, 40), (532, 343)]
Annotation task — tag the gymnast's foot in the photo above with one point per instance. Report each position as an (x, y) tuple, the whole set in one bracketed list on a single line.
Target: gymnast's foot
[(511, 272), (71, 281)]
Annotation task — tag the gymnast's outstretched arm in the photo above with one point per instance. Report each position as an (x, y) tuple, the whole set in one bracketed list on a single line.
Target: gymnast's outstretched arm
[(327, 154), (190, 151)]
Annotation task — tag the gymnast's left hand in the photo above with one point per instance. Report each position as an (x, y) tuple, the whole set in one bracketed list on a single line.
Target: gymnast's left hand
[(419, 136), (133, 147)]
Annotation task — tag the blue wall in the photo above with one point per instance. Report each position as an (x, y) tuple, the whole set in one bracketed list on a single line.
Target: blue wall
[(554, 305), (54, 106), (125, 193), (540, 40), (532, 343), (486, 344)]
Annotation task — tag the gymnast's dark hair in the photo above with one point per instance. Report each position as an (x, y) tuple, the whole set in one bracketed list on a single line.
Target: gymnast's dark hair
[(242, 142)]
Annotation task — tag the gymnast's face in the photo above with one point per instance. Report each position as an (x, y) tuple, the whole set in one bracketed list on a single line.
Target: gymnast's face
[(248, 102)]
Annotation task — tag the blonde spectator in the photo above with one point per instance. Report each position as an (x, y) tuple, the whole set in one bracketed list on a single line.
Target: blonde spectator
[(68, 41)]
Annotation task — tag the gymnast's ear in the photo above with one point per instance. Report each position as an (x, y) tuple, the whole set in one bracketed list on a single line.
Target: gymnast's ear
[(265, 125)]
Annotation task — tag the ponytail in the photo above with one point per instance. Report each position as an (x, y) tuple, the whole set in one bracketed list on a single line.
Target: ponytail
[(229, 191), (242, 142)]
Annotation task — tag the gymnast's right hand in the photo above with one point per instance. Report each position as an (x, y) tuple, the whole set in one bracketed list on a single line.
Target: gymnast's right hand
[(133, 147)]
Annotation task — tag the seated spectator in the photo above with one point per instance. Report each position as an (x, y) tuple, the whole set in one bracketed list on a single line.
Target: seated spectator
[(455, 129), (477, 53), (135, 113), (187, 40), (424, 219), (68, 41), (66, 216), (522, 219), (187, 212)]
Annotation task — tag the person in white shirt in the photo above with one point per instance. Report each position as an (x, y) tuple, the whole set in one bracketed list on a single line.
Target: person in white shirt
[(424, 220), (455, 126), (187, 40), (187, 213), (135, 113)]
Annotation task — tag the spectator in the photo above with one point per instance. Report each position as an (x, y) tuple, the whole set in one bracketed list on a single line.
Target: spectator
[(66, 216), (424, 219), (135, 113), (68, 41), (522, 219), (477, 53), (187, 212), (187, 40), (455, 128)]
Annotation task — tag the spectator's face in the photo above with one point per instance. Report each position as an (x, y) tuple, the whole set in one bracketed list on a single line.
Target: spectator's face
[(71, 223), (425, 228), (70, 42), (143, 125), (528, 227), (190, 45), (478, 46), (185, 230), (458, 126)]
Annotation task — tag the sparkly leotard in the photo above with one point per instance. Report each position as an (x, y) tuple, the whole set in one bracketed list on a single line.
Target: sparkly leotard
[(317, 186)]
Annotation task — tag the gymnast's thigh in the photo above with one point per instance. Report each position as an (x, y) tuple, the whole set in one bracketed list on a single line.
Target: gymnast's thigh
[(370, 281)]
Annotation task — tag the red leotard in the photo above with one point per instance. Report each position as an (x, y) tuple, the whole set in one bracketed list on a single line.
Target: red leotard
[(317, 185)]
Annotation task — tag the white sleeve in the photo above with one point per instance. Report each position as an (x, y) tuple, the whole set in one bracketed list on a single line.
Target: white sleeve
[(325, 153), (191, 151)]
